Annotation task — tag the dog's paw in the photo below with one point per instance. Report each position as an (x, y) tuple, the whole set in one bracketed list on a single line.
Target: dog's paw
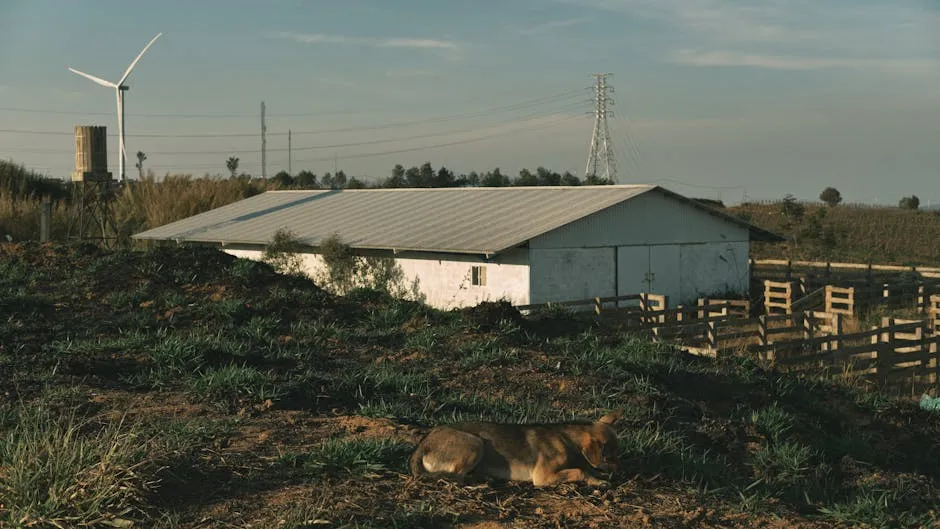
[(599, 483)]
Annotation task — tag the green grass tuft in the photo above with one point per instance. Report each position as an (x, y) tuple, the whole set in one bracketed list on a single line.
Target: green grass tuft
[(62, 471)]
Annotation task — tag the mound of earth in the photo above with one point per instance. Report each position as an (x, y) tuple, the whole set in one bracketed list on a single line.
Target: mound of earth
[(490, 315)]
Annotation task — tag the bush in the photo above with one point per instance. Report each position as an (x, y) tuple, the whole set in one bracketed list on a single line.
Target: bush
[(283, 252)]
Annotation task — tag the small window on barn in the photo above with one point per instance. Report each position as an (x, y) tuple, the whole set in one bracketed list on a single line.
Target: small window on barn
[(478, 276)]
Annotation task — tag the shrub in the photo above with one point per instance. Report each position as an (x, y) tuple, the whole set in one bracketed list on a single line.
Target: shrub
[(283, 252)]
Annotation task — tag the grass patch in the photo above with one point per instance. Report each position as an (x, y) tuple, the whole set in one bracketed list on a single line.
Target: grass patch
[(235, 385), (63, 471), (339, 457)]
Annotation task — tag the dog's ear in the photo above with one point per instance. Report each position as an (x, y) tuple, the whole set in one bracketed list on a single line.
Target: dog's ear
[(611, 417), (592, 451)]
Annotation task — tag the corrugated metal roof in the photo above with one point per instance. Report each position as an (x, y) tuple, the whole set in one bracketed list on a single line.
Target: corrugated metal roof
[(480, 220)]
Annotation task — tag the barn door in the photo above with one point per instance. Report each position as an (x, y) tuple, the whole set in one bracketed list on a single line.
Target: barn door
[(664, 272), (633, 267)]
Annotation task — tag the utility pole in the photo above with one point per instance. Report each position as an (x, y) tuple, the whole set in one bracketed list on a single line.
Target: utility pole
[(601, 146), (264, 145), (289, 154)]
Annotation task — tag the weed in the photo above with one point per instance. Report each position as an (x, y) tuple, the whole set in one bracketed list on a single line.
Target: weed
[(772, 421)]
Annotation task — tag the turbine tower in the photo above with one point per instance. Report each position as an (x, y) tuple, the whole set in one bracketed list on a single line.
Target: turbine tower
[(119, 89), (601, 152)]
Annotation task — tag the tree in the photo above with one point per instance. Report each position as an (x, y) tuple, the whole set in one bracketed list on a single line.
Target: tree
[(141, 156), (339, 180), (306, 180), (526, 178), (831, 196), (594, 180), (327, 181), (791, 208), (445, 178), (282, 180), (546, 177), (413, 177), (911, 202), (494, 178), (355, 183), (426, 175), (232, 165), (569, 179), (398, 177)]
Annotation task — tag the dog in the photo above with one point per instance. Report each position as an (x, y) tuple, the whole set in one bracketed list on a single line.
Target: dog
[(543, 454)]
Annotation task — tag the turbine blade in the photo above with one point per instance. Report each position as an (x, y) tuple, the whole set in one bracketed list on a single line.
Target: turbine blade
[(131, 67), (98, 80)]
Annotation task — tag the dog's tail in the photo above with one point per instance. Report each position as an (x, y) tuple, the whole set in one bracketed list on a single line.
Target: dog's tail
[(417, 461)]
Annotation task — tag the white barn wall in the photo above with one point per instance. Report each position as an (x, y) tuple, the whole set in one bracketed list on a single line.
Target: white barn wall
[(444, 279), (651, 218), (662, 245), (713, 268), (571, 273)]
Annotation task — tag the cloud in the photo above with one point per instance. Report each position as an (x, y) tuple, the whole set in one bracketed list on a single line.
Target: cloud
[(413, 43), (417, 43), (551, 25), (784, 62), (411, 73)]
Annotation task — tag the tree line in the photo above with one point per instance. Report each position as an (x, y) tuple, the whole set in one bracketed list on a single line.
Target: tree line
[(425, 176)]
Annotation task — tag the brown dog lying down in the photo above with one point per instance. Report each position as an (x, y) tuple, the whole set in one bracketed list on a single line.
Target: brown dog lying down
[(544, 454)]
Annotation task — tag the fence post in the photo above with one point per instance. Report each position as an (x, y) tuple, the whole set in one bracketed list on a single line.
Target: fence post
[(837, 331), (644, 307), (711, 336), (921, 300), (45, 220), (885, 353), (762, 329)]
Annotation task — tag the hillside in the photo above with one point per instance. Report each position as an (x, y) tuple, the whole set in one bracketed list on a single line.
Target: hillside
[(184, 388), (846, 233)]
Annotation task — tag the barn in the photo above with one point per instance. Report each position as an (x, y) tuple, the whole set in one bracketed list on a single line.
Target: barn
[(462, 246)]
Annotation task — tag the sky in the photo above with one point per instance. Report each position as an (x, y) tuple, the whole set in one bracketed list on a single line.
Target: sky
[(712, 98)]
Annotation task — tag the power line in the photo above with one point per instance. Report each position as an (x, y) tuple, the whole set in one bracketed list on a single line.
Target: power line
[(529, 117), (180, 116), (467, 115), (541, 126)]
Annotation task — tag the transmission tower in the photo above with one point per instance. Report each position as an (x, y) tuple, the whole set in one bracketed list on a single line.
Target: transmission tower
[(601, 153)]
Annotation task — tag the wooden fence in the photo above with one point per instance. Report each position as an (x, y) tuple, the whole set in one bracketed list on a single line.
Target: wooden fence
[(899, 353), (644, 311), (820, 273), (786, 297)]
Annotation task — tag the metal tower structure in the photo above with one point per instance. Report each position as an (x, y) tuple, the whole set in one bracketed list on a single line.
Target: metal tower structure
[(264, 145), (602, 152), (93, 188)]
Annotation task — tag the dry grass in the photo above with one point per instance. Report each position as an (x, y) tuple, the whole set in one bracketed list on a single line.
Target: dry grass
[(144, 204)]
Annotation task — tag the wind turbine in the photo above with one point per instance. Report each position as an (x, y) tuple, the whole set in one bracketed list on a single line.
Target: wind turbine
[(119, 89)]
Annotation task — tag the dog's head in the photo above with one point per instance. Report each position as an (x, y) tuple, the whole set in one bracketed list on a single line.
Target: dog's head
[(600, 446)]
